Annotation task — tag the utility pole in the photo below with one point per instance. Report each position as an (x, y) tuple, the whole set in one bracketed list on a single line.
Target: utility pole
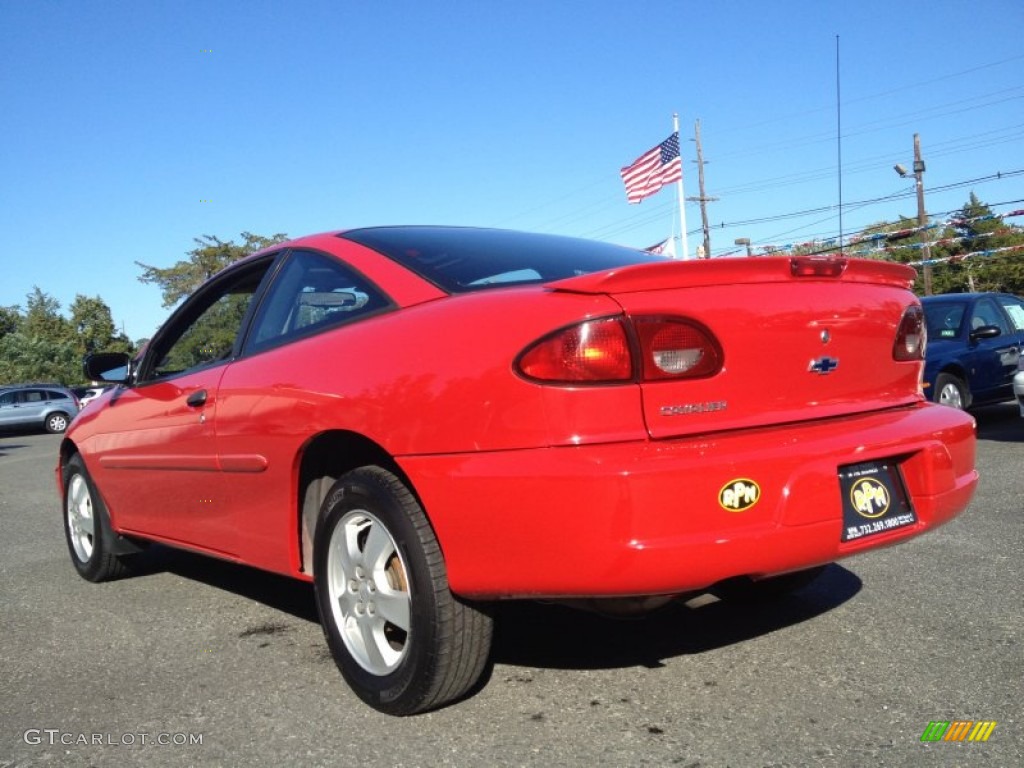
[(922, 217), (703, 199)]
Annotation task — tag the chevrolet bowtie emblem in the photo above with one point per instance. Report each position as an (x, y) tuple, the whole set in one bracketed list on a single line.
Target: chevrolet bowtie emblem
[(823, 365)]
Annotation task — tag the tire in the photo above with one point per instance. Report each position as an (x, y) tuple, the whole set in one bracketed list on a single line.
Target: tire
[(87, 528), (57, 422), (950, 390), (747, 590), (402, 641)]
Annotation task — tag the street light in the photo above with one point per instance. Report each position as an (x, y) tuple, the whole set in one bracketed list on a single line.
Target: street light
[(922, 217), (744, 241)]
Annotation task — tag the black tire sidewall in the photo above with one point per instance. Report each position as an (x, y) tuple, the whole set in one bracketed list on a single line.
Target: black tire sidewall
[(89, 569), (948, 378), (400, 691)]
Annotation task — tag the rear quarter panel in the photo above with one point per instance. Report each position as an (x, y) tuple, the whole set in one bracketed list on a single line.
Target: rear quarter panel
[(436, 378)]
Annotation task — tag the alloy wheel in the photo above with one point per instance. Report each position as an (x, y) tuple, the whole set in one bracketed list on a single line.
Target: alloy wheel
[(369, 592)]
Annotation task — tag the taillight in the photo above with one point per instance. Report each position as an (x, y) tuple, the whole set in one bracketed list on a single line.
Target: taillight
[(911, 335), (676, 349), (817, 266), (594, 351), (603, 351)]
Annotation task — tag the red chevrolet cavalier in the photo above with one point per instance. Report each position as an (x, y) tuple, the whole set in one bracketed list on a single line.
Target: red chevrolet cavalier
[(422, 420)]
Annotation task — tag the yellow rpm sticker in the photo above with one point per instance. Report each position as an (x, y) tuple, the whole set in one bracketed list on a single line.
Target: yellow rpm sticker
[(869, 497), (739, 495)]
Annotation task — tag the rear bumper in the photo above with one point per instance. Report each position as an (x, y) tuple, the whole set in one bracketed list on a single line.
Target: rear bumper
[(643, 518)]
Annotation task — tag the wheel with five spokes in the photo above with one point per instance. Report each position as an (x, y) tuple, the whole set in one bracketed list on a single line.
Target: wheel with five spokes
[(402, 640)]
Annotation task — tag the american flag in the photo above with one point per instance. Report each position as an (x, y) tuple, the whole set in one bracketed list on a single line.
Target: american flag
[(664, 248), (653, 170)]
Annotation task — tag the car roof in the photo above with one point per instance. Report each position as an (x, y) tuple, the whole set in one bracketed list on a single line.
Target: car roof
[(32, 385), (964, 297)]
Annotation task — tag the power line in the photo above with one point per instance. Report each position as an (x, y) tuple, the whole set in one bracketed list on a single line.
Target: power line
[(856, 205), (884, 198), (608, 206)]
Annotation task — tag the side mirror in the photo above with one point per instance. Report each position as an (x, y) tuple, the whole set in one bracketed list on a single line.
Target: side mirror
[(106, 366), (985, 332)]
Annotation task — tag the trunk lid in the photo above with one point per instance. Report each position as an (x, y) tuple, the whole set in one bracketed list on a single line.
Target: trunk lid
[(802, 338)]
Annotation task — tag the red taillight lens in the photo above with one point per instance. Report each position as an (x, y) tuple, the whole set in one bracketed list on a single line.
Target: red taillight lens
[(594, 351), (676, 349), (911, 335), (817, 266)]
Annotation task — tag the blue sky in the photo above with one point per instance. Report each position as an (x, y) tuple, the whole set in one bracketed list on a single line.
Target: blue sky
[(129, 128)]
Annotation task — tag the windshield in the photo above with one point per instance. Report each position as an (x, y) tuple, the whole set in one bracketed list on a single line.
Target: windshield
[(459, 259)]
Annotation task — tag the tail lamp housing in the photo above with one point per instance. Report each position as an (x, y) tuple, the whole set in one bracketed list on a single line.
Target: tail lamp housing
[(911, 335), (622, 349)]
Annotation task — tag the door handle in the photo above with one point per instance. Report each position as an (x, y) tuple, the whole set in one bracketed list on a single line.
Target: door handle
[(196, 399)]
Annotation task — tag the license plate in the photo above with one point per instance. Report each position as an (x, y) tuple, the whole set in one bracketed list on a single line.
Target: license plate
[(874, 499)]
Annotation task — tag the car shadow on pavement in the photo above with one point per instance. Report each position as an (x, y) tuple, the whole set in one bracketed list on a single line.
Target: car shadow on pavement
[(281, 593), (543, 635), (552, 636), (6, 448), (1001, 423)]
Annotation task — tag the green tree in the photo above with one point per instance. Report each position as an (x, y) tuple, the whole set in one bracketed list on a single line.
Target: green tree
[(10, 320), (43, 345), (92, 322), (958, 248), (30, 358), (984, 235), (43, 319), (93, 326), (210, 257)]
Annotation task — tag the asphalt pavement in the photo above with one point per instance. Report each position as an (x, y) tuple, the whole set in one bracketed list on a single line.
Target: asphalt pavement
[(199, 662)]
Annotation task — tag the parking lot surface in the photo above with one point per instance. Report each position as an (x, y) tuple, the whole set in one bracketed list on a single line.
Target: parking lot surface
[(198, 662)]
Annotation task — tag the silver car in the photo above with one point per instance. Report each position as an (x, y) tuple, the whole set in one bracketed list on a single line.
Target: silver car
[(37, 405)]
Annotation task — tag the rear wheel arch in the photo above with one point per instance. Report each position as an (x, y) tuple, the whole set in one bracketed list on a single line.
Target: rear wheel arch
[(324, 459)]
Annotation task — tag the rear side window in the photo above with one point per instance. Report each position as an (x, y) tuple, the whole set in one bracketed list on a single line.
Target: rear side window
[(53, 395), (311, 293), (945, 319), (1015, 309), (460, 259)]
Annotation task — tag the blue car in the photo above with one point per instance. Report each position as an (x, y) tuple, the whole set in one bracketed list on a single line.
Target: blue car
[(974, 343)]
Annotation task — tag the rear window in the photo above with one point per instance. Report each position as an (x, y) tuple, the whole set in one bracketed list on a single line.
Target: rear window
[(458, 259)]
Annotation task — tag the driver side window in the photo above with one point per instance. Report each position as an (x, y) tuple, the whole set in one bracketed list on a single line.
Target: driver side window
[(206, 328), (987, 313)]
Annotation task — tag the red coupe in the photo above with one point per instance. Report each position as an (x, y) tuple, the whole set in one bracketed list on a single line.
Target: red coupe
[(423, 420)]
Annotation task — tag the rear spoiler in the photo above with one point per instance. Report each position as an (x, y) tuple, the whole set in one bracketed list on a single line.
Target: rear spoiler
[(763, 269)]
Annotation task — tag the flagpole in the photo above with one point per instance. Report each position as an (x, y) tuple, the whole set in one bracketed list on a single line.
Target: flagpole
[(679, 192)]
